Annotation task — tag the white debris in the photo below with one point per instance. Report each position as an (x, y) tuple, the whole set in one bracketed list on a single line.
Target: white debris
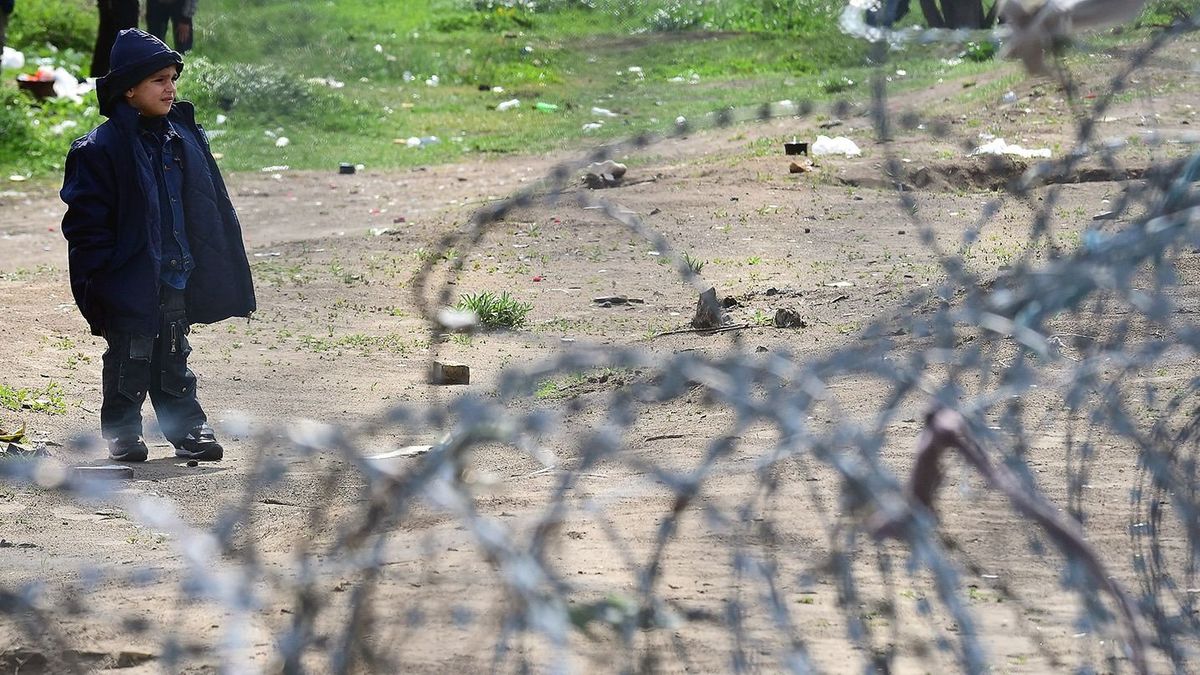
[(61, 127), (508, 105), (592, 126), (432, 81), (834, 146), (603, 112), (378, 49), (1000, 147), (282, 142), (221, 119), (12, 58)]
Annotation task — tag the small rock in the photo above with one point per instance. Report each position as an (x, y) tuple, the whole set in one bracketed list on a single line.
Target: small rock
[(708, 311), (610, 300), (193, 463), (789, 318), (450, 373), (606, 174)]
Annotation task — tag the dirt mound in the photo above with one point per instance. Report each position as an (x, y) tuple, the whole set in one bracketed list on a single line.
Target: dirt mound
[(991, 174)]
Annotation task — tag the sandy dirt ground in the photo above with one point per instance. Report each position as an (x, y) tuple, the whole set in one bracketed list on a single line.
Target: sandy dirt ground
[(338, 338)]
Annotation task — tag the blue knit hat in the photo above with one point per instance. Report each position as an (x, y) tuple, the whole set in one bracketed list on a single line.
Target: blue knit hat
[(135, 56)]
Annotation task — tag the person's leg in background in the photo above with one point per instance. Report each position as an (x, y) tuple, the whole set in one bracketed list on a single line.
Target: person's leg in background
[(6, 8), (157, 15), (115, 15)]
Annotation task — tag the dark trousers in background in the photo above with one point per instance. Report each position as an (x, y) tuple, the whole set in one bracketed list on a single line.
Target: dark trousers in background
[(158, 13), (115, 15), (137, 365), (3, 27)]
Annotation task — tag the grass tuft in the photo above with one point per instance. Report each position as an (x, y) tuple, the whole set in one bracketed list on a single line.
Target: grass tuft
[(495, 311)]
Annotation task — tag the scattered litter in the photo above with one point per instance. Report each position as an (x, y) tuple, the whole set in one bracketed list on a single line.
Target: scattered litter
[(542, 106), (388, 462), (795, 148), (834, 146), (604, 174), (610, 300), (603, 112), (999, 147), (61, 127), (327, 82), (839, 284), (221, 119), (592, 126), (379, 231), (12, 436), (346, 169), (803, 166), (12, 59), (282, 142), (275, 168), (432, 81), (508, 105), (17, 178), (193, 463), (107, 472), (268, 254), (456, 319), (1009, 97)]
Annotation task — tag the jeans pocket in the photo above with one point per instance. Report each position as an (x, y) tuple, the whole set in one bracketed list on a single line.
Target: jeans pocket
[(135, 368)]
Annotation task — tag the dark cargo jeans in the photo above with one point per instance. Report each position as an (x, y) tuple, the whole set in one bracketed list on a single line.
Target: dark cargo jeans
[(137, 365)]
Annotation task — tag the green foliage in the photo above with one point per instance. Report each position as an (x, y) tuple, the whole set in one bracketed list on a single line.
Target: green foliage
[(263, 91), (66, 24), (693, 263), (49, 399), (980, 51), (1166, 12), (836, 85), (495, 311), (36, 135)]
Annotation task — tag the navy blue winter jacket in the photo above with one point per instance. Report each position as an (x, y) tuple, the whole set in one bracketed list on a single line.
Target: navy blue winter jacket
[(113, 229)]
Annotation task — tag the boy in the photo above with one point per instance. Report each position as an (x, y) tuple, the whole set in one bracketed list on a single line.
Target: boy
[(154, 244)]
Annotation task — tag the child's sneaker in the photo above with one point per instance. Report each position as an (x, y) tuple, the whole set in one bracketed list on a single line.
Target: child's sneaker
[(200, 444), (127, 449)]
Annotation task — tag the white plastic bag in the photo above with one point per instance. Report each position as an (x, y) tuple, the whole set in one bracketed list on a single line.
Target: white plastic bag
[(834, 146)]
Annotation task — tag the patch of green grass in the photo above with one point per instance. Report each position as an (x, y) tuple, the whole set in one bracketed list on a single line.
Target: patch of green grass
[(49, 399), (391, 343), (495, 311), (343, 80)]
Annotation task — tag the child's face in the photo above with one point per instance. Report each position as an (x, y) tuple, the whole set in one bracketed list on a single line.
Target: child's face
[(154, 95)]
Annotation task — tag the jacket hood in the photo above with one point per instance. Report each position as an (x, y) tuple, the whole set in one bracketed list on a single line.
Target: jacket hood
[(135, 56)]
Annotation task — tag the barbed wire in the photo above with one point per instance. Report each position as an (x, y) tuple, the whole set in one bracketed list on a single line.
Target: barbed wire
[(1062, 340)]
